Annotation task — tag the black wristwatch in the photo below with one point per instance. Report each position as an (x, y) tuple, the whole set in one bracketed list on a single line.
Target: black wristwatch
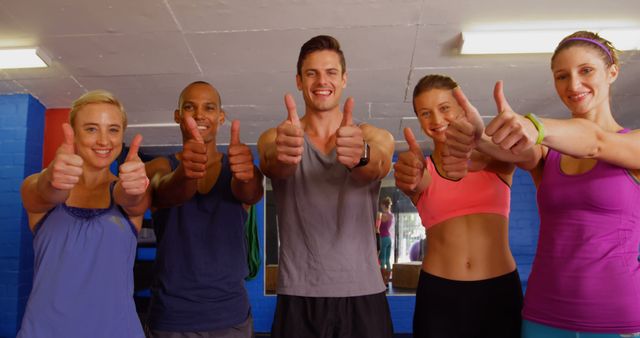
[(364, 160)]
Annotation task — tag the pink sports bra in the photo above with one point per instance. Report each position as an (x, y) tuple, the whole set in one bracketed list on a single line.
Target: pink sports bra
[(480, 192)]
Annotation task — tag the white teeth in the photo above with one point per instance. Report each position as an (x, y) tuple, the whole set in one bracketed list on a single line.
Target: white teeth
[(102, 152), (202, 127), (323, 92), (440, 129), (578, 97)]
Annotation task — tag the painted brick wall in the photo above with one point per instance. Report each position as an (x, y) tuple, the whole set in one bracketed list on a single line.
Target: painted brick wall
[(21, 127)]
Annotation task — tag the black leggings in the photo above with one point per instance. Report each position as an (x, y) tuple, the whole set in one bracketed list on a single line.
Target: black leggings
[(450, 309)]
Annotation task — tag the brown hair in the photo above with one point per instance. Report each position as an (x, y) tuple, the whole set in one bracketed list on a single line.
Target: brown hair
[(432, 81), (608, 53), (320, 43), (386, 202)]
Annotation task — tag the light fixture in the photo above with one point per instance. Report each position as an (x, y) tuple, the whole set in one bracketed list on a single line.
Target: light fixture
[(22, 58), (531, 38)]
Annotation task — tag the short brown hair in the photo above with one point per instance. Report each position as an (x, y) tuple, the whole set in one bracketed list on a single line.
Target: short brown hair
[(320, 43), (432, 81), (592, 40)]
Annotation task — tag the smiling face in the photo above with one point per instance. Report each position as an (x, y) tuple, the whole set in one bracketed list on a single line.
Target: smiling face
[(434, 109), (201, 102), (99, 132), (321, 81), (582, 79)]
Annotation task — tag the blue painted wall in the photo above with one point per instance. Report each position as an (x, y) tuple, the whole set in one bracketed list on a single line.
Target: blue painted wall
[(21, 130)]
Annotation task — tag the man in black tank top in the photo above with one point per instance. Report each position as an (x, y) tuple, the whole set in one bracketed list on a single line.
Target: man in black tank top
[(200, 193), (326, 173)]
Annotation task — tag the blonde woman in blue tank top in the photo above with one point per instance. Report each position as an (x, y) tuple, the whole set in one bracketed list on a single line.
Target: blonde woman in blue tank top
[(85, 222)]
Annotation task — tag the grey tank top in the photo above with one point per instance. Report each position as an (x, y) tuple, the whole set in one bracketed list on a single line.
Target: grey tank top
[(325, 225)]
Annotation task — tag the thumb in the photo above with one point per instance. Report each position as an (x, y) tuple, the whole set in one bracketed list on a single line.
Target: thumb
[(471, 113), (498, 96), (192, 127), (235, 132), (347, 114), (292, 112), (133, 148), (413, 144), (68, 146)]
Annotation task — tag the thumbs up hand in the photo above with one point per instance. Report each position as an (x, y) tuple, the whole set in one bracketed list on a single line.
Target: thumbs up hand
[(409, 169), (508, 129), (66, 168), (194, 152), (133, 177), (465, 129), (240, 157), (349, 139), (289, 135)]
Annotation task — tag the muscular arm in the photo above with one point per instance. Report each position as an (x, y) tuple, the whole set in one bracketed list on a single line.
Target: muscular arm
[(582, 138), (170, 188), (381, 153), (251, 191), (270, 164)]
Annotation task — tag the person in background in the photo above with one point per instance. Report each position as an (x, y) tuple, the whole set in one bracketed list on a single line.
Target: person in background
[(386, 221), (200, 194), (85, 221), (468, 285)]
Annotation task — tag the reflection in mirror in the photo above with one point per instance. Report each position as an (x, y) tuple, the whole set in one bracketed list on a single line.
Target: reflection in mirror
[(406, 233)]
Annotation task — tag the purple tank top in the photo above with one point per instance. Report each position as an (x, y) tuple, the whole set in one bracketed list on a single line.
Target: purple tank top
[(83, 276), (586, 274), (385, 227)]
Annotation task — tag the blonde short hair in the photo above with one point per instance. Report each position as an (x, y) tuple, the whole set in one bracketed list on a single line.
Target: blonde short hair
[(96, 96)]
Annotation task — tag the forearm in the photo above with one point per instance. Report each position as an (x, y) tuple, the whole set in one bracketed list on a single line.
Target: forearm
[(173, 189), (249, 192), (45, 192), (134, 205), (39, 196), (576, 137), (527, 159), (273, 168), (377, 168)]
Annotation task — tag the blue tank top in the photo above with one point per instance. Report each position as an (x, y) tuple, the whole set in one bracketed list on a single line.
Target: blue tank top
[(201, 261), (83, 275)]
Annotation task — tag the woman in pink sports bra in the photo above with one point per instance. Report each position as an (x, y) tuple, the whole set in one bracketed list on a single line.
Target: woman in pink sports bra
[(585, 279), (468, 286)]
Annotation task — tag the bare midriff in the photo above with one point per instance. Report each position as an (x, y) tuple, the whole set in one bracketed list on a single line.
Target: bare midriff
[(468, 248)]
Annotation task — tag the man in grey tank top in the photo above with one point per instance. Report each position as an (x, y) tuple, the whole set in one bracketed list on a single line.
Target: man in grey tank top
[(326, 172)]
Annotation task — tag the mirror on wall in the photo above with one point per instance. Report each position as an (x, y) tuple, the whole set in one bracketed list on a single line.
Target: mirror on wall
[(407, 237)]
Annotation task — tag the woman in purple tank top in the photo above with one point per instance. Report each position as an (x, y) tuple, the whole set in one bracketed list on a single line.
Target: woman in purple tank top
[(85, 222), (585, 277)]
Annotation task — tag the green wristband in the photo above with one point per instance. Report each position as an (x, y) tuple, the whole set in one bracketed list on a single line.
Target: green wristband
[(539, 126)]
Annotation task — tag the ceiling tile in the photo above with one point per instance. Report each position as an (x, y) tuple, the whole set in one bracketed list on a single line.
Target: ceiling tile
[(71, 17), (144, 93), (247, 15), (472, 12), (123, 54), (53, 92), (277, 51)]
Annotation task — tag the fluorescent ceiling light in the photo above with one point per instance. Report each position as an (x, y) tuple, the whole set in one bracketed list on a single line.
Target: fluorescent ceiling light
[(519, 41), (21, 58)]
